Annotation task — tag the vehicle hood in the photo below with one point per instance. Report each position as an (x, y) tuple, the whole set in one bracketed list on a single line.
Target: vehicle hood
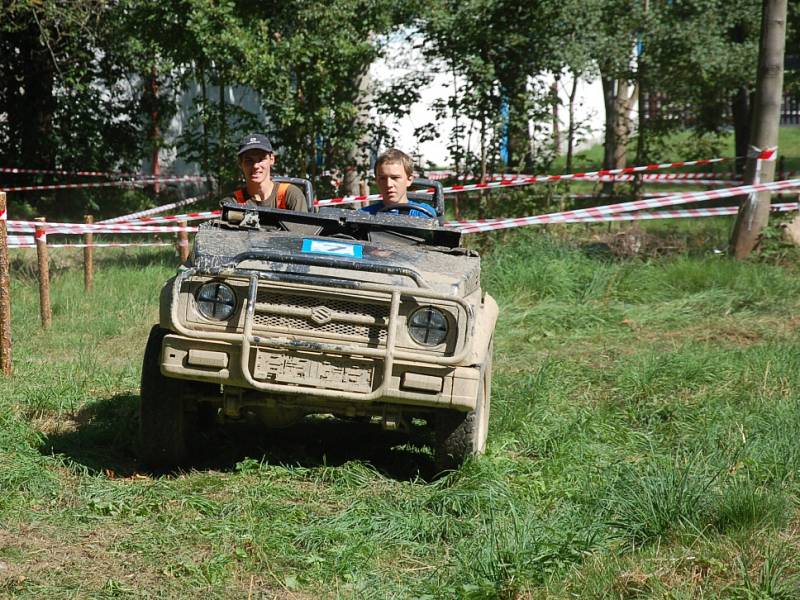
[(453, 271)]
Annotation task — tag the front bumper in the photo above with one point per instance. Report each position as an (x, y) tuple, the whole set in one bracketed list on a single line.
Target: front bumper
[(315, 377), (296, 366)]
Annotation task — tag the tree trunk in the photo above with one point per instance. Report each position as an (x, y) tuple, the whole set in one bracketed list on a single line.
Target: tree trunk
[(457, 153), (223, 130), (201, 73), (740, 109), (27, 104), (155, 130), (556, 128), (624, 124), (357, 159), (519, 156), (618, 103), (572, 127), (754, 210), (741, 105)]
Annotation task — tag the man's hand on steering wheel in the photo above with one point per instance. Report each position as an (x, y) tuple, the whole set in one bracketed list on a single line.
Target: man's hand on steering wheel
[(407, 208)]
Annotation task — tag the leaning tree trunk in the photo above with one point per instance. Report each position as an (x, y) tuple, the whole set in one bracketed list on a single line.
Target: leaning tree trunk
[(754, 210)]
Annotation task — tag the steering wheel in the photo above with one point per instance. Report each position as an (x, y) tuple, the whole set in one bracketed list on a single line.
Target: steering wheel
[(408, 207)]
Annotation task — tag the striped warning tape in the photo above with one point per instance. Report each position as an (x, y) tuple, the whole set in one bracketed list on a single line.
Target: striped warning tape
[(23, 171), (641, 215), (78, 228), (126, 183), (195, 216), (154, 211), (532, 180), (98, 245), (597, 211)]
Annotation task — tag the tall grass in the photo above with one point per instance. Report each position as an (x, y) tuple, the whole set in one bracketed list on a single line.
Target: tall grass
[(642, 443)]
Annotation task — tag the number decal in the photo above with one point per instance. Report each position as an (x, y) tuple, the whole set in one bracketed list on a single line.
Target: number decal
[(333, 248)]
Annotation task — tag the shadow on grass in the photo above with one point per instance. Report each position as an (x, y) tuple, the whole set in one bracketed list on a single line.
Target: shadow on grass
[(102, 437)]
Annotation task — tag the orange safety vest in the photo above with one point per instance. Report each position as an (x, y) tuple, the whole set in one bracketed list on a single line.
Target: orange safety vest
[(280, 196)]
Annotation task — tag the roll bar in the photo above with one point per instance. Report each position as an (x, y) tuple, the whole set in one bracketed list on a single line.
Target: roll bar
[(438, 195), (305, 184)]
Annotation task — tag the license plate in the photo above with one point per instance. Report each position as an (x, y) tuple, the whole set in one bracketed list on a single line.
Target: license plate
[(327, 373)]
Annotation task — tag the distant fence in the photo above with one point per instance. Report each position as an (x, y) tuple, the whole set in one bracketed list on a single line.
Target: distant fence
[(660, 109), (790, 109)]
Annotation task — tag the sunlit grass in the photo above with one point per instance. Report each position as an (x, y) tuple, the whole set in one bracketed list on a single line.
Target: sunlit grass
[(643, 442)]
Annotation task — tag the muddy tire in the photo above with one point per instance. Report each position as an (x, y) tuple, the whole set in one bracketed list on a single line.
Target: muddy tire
[(460, 435), (165, 425)]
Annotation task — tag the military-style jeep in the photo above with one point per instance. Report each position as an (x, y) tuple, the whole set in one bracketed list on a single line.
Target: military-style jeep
[(278, 315)]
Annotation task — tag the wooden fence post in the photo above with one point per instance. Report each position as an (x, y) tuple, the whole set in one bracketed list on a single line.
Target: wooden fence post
[(183, 242), (44, 273), (5, 293), (88, 255)]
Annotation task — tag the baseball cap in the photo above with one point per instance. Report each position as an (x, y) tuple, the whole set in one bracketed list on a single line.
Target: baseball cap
[(255, 141)]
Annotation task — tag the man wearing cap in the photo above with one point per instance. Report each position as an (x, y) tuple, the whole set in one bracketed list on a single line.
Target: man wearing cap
[(256, 159)]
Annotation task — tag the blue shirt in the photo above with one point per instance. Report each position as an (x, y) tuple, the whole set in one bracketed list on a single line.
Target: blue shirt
[(376, 208)]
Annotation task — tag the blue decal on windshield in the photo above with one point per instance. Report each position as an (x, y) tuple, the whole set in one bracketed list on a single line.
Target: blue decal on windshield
[(332, 247)]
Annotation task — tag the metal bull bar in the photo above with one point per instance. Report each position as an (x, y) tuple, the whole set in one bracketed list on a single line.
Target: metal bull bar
[(388, 354)]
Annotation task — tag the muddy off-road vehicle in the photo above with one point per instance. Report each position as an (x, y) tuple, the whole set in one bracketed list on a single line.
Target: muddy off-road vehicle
[(278, 315)]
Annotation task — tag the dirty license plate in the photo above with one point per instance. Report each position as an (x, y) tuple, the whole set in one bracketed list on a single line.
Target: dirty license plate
[(314, 372)]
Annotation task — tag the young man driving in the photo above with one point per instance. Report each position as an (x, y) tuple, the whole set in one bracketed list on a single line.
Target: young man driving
[(394, 174), (256, 159)]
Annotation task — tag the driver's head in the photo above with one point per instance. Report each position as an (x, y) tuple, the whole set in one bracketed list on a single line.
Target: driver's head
[(394, 171), (256, 158)]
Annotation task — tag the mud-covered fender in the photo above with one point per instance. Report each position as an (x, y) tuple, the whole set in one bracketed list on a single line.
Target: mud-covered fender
[(486, 314), (165, 304)]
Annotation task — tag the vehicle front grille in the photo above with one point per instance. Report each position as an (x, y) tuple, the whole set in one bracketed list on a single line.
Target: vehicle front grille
[(327, 316)]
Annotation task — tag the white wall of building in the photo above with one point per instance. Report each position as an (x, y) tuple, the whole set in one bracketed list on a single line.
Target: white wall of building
[(395, 65)]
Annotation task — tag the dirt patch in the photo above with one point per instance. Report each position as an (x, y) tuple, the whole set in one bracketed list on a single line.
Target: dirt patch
[(87, 562), (634, 241)]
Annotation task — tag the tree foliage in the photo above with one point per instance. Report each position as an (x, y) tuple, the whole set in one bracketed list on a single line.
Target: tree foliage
[(95, 84)]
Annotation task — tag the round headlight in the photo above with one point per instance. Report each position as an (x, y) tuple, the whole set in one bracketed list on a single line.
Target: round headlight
[(428, 326), (216, 301)]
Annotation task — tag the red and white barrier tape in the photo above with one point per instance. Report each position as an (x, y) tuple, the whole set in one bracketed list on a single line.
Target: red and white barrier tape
[(628, 178), (171, 218), (590, 196), (78, 228), (154, 211), (22, 171), (531, 180), (761, 156), (98, 245), (677, 178), (644, 215), (20, 240), (765, 154), (126, 183), (597, 211)]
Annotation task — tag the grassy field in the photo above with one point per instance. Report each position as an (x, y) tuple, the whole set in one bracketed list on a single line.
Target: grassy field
[(643, 444)]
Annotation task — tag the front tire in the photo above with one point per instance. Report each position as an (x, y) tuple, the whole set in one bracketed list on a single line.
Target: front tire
[(460, 435), (164, 426)]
